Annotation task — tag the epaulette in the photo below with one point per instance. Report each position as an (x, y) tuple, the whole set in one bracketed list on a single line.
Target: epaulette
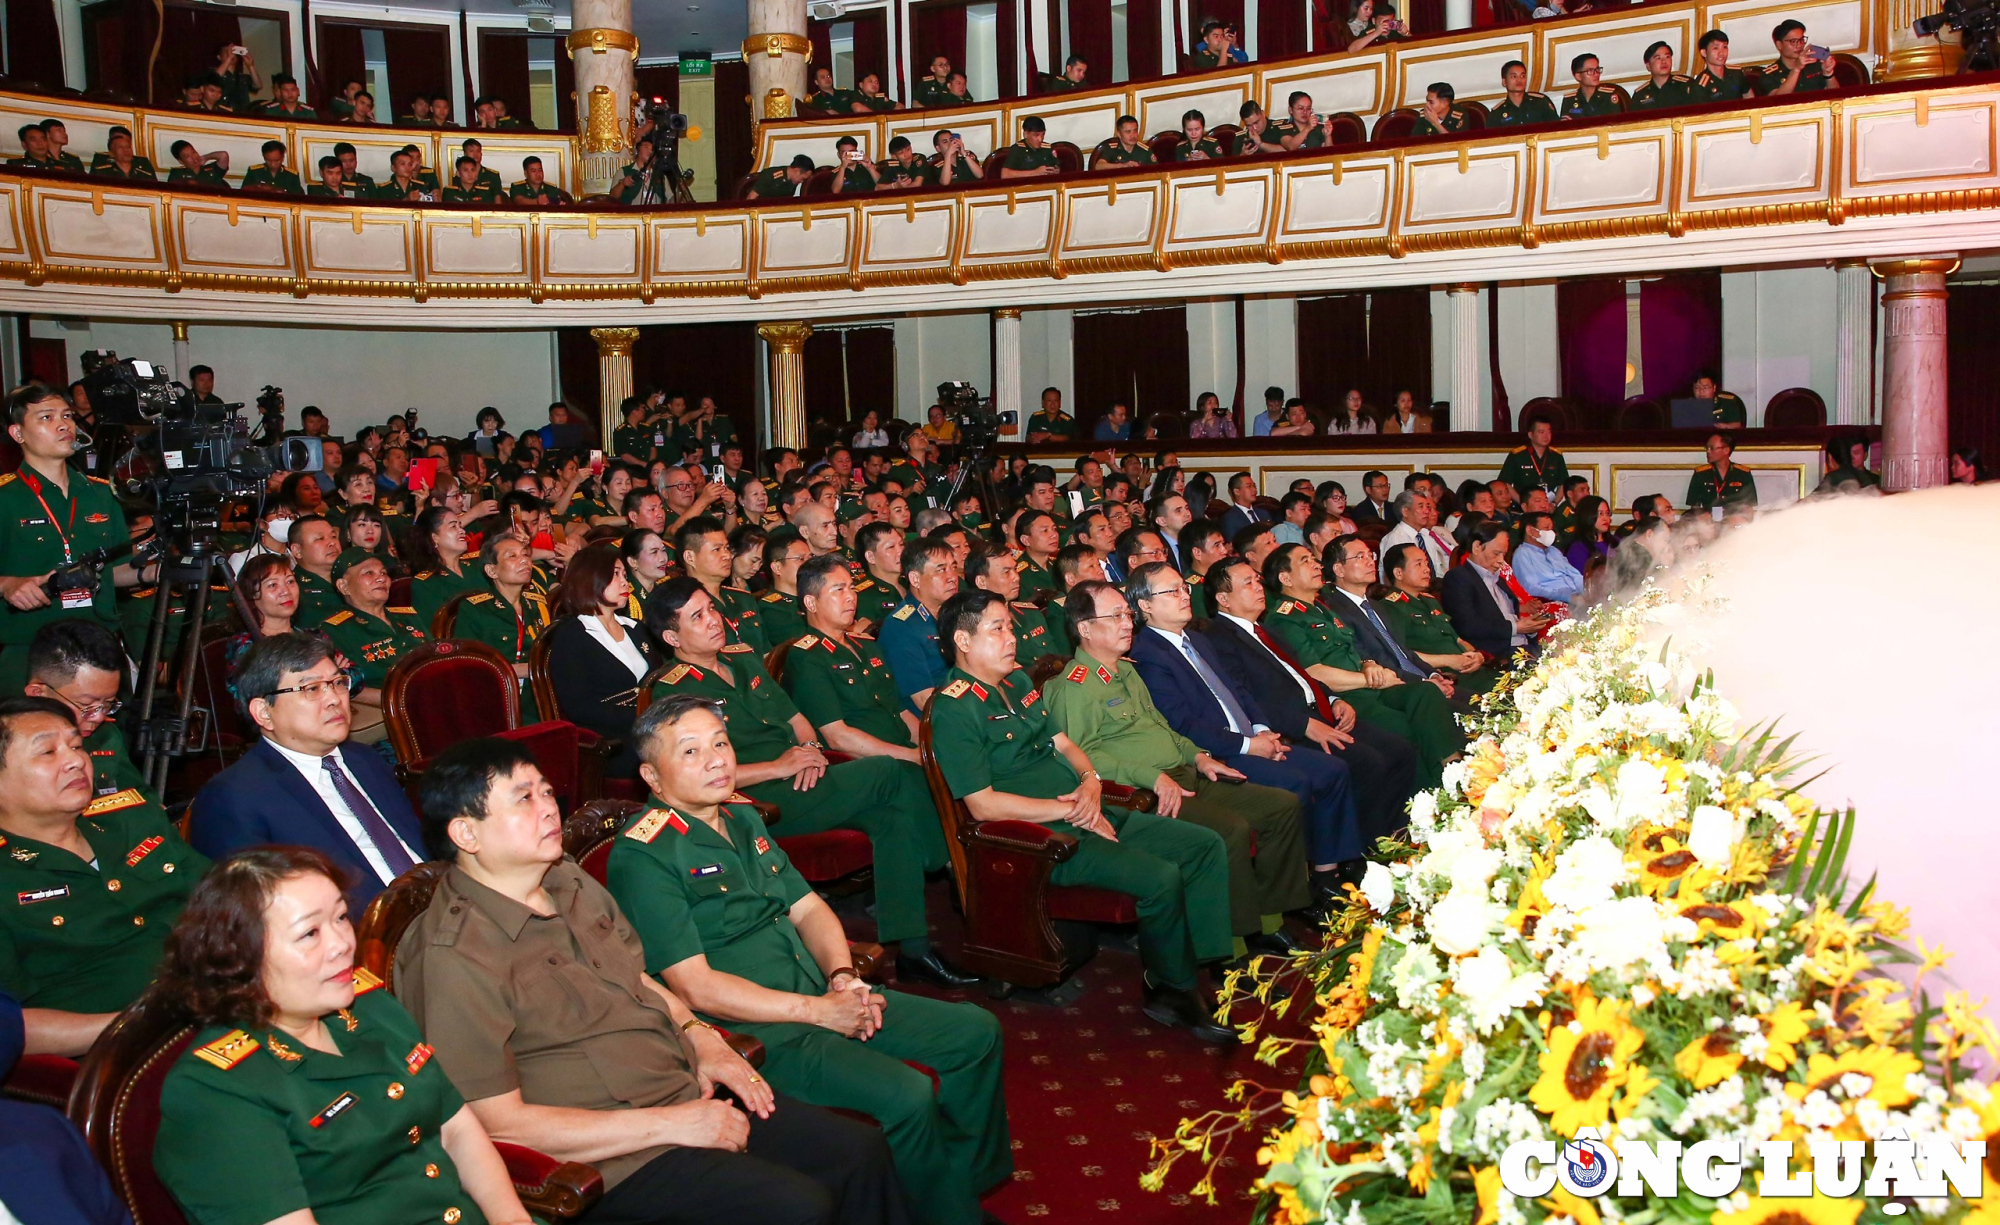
[(1195, 580), (1519, 451), (858, 634), (1398, 597), (865, 584), (678, 674), (772, 597), (649, 825), (517, 183), (737, 797), (904, 613), (957, 689), (112, 803), (1675, 76), (1285, 608), (1704, 468), (408, 612), (1024, 604), (483, 597), (9, 478), (741, 590), (1023, 564), (806, 642), (100, 480), (365, 981), (1076, 674), (422, 575), (229, 1050), (536, 596)]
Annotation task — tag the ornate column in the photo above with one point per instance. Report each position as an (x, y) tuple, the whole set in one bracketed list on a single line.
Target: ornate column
[(1854, 344), (1465, 326), (181, 356), (1907, 55), (788, 381), (777, 52), (603, 49), (1007, 366), (614, 375), (1914, 438)]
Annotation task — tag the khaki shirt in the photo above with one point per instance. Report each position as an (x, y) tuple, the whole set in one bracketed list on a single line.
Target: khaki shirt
[(1111, 717), (553, 1006)]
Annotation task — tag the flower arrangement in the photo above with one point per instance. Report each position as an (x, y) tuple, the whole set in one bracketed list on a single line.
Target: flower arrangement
[(1617, 912)]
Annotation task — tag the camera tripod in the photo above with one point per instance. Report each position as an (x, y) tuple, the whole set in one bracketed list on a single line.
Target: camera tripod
[(161, 738)]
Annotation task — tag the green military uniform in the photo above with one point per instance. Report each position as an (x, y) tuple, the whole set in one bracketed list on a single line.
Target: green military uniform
[(1416, 712), (1421, 625), (45, 529), (277, 180), (374, 644), (1036, 577), (429, 178), (839, 101), (783, 619), (24, 162), (393, 188), (875, 102), (1653, 96), (742, 616), (932, 476), (298, 112), (846, 682), (478, 193), (365, 184), (1600, 102), (914, 173), (1860, 478), (634, 440), (318, 600), (1248, 143), (357, 1138), (880, 796), (111, 766), (484, 617), (960, 172), (1208, 61), (1059, 83), (874, 598), (855, 178), (348, 191), (1707, 488), (690, 891), (1038, 633), (1453, 122), (1816, 76), (932, 92), (87, 939), (1533, 108), (1279, 130), (430, 590), (1727, 409), (1208, 146), (1111, 717), (1002, 738), (1525, 471), (1062, 425), (210, 175), (1113, 153), (1705, 86), (487, 178), (1199, 593), (70, 162), (1022, 157), (102, 164), (547, 193), (717, 433)]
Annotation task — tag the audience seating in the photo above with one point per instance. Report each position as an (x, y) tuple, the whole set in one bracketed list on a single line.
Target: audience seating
[(1165, 425), (1851, 71), (1560, 414), (1348, 129), (45, 1080), (1793, 407), (1397, 124), (1642, 413), (1164, 144), (116, 1104), (399, 592)]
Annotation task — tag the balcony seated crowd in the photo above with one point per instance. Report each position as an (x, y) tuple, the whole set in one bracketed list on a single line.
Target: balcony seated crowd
[(546, 930)]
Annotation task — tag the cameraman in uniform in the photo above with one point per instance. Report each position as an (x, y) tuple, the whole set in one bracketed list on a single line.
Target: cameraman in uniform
[(53, 515)]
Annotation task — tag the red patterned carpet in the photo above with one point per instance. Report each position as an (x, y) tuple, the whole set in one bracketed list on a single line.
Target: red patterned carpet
[(1089, 1085)]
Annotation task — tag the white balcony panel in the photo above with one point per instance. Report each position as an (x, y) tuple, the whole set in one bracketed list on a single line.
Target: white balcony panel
[(1487, 190), (790, 249), (997, 234), (1236, 214), (1838, 25), (572, 251), (87, 123), (1472, 66), (680, 252), (1218, 96), (781, 145), (11, 230), (245, 148), (1727, 167), (1577, 182), (1318, 207), (379, 250), (1619, 42), (252, 243), (1955, 142), (125, 232), (495, 251), (896, 237), (1082, 122), (1099, 227)]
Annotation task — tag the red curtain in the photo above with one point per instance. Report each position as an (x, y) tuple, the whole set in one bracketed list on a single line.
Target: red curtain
[(341, 59), (1426, 17), (119, 41), (1281, 29), (1399, 346), (419, 62), (1590, 325), (1003, 50), (1089, 37), (1466, 417), (734, 157), (660, 81), (849, 372), (822, 40), (1680, 331), (503, 69), (1139, 357), (826, 379), (937, 29), (1972, 318), (1333, 350), (34, 43), (1142, 41)]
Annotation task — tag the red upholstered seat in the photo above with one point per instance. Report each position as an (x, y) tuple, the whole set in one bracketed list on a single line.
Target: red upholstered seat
[(445, 692), (1348, 129), (42, 1079), (1397, 124), (990, 168), (399, 592), (1163, 146), (829, 854), (1794, 407), (1082, 904), (1069, 158), (563, 754), (117, 1106)]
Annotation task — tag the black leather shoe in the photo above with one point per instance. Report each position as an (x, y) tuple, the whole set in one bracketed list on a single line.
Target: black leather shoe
[(1181, 1010), (935, 970), (1276, 944)]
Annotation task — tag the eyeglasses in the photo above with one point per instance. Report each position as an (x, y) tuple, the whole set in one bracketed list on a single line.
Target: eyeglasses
[(1123, 614), (96, 710), (1158, 592), (315, 689)]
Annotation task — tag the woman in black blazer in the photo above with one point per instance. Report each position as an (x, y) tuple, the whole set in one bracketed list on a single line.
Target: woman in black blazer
[(598, 656)]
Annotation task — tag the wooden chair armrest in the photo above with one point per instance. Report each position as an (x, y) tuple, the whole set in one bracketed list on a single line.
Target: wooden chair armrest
[(1138, 799), (559, 1190), (1022, 836), (870, 961), (751, 1048), (835, 757)]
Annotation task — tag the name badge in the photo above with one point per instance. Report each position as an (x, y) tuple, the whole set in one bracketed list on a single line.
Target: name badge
[(41, 895), (763, 846), (714, 869), (1115, 702), (76, 598), (339, 1106)]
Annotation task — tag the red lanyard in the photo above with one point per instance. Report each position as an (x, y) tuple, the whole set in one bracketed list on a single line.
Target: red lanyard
[(1538, 466), (35, 487)]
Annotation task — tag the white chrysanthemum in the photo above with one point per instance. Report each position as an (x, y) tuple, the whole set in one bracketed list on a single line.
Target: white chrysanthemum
[(1642, 795), (1463, 920), (1378, 885), (1623, 933), (1587, 871), (1491, 987)]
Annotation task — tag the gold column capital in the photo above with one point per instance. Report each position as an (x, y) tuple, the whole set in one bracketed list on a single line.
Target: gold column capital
[(614, 342), (600, 40), (180, 331), (1007, 312), (785, 337), (1936, 265), (776, 44), (1464, 287)]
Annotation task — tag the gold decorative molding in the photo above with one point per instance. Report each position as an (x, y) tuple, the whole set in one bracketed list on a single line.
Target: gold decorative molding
[(777, 103), (615, 342), (1007, 312), (1930, 265), (776, 44), (599, 40), (602, 132), (180, 332), (785, 337)]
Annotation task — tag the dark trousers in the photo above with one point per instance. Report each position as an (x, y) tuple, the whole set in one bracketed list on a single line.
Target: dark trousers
[(1326, 802), (802, 1166), (1383, 769)]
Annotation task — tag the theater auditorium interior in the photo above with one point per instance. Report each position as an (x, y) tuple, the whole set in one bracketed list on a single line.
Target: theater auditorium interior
[(967, 611)]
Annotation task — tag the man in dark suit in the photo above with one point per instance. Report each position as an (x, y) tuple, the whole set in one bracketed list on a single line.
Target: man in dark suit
[(1481, 608), (1347, 595), (1381, 764), (1188, 685), (1374, 506), (304, 783), (1243, 510), (1170, 515)]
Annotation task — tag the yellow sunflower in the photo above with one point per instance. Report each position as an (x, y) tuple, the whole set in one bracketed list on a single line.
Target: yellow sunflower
[(1725, 920), (1884, 1068), (1709, 1059), (1659, 857), (1784, 1028), (1575, 1207), (1486, 1184), (1532, 905), (1586, 1061), (1814, 1210), (1989, 1126)]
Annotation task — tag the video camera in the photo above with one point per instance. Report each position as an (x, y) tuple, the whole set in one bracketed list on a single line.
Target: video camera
[(669, 124), (978, 425), (1979, 24)]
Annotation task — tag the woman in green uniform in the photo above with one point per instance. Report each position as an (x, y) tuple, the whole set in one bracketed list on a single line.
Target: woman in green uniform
[(366, 529), (369, 1131), (437, 554)]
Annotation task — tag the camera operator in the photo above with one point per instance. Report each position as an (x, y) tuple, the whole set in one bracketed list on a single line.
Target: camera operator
[(642, 182), (857, 173), (1800, 68), (203, 381), (55, 516)]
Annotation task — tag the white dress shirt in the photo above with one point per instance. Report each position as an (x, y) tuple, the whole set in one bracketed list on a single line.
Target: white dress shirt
[(314, 770), (1181, 648), (1250, 628), (624, 649), (1503, 600)]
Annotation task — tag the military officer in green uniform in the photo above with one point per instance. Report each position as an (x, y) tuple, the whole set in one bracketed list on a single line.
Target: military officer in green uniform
[(1726, 407), (1717, 81), (404, 183), (633, 441), (53, 516), (951, 162), (477, 152), (1070, 79), (880, 588), (284, 103), (315, 547), (1666, 88), (438, 544), (1031, 156), (97, 881), (1196, 144), (1050, 423), (272, 175), (1589, 99), (35, 153), (58, 136), (1004, 757), (778, 609), (838, 676), (825, 96), (1537, 465), (1720, 482), (780, 761), (350, 169), (120, 162), (1419, 622), (1036, 538), (333, 184), (1519, 106), (508, 615), (702, 544), (335, 1096), (81, 664), (1796, 70), (856, 173), (211, 170), (369, 632), (1103, 706), (735, 931), (1036, 634), (1323, 644), (470, 185), (533, 186), (1124, 149), (1216, 40), (1300, 128), (1438, 116), (935, 89)]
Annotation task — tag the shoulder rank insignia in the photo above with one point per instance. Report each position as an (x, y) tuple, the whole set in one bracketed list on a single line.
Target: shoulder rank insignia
[(97, 480), (1022, 565), (737, 590), (904, 613), (734, 648), (426, 575), (648, 826), (112, 803), (365, 981), (1023, 604), (1075, 675), (1285, 608), (483, 597), (807, 642), (227, 1051), (405, 611), (341, 618), (9, 479), (737, 797), (678, 673), (1397, 597), (772, 597), (956, 689)]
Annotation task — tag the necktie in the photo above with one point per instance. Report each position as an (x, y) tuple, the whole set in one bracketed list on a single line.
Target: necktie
[(387, 844), (1239, 720), (1403, 662), (1318, 691)]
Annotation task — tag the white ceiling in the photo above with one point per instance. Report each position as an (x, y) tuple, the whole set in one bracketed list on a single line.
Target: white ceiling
[(666, 28)]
